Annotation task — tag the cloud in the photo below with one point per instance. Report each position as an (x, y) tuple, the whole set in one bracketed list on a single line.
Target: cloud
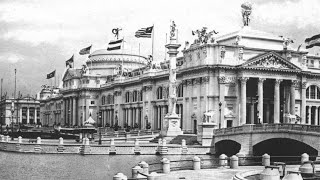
[(11, 58)]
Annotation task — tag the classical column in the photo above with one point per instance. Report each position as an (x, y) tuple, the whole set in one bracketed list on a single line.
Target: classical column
[(303, 103), (20, 111), (35, 115), (292, 97), (260, 101), (74, 113), (316, 115), (65, 111), (243, 102), (159, 117), (277, 101), (129, 116), (28, 115), (309, 115), (222, 81), (137, 115)]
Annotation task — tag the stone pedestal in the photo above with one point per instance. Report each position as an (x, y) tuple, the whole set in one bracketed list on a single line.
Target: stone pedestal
[(171, 126), (205, 135)]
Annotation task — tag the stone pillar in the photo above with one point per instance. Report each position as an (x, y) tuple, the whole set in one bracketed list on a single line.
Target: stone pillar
[(28, 115), (65, 111), (35, 115), (243, 103), (222, 81), (159, 117), (277, 101), (316, 118), (260, 101), (293, 97), (74, 111), (309, 115), (303, 103)]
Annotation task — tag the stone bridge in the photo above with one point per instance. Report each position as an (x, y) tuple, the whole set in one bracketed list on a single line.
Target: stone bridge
[(250, 135)]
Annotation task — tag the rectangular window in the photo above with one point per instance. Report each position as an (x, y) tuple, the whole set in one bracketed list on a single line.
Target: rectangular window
[(311, 63), (92, 102), (312, 92)]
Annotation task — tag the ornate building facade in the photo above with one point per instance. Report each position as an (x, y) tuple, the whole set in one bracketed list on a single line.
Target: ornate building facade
[(244, 77), (26, 110)]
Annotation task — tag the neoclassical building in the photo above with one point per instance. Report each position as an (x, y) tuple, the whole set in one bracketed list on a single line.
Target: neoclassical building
[(244, 77), (24, 110)]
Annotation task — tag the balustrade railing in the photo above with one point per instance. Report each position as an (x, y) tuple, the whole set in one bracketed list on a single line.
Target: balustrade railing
[(268, 127)]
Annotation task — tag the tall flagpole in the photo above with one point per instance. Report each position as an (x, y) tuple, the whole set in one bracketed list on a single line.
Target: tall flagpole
[(152, 39)]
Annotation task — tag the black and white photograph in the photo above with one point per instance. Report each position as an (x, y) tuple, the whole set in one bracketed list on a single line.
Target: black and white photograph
[(160, 90)]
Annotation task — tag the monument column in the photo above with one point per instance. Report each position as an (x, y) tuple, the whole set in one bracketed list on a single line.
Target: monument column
[(243, 102), (260, 101), (303, 103), (172, 119), (277, 101)]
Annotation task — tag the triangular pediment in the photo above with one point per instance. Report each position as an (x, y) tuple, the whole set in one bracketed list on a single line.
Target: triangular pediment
[(270, 60), (71, 73)]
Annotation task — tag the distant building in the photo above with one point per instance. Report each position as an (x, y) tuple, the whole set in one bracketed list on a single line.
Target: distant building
[(244, 77), (26, 110)]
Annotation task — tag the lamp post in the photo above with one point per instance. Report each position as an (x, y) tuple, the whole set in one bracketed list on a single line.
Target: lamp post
[(220, 104), (12, 111)]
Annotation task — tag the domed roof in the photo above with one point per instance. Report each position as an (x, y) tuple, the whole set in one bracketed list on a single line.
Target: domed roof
[(105, 55)]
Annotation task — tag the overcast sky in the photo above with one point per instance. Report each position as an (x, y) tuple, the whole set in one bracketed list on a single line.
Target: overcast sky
[(38, 36)]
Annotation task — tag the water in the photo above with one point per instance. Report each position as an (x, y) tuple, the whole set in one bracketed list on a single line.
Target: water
[(73, 166)]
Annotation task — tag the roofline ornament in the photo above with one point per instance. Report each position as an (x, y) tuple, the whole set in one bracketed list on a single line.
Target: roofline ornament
[(246, 12)]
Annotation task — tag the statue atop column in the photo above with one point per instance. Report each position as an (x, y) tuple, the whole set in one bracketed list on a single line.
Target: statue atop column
[(171, 123), (246, 12)]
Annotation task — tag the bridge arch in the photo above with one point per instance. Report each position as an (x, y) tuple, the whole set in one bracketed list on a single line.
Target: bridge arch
[(309, 140), (227, 147), (283, 147)]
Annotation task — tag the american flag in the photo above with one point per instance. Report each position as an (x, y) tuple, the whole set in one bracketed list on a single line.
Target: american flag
[(144, 32)]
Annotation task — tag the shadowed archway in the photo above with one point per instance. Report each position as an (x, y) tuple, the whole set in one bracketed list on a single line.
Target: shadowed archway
[(227, 147), (283, 147)]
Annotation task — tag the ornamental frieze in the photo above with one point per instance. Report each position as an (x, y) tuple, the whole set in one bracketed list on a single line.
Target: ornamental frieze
[(197, 80), (205, 79), (147, 88), (222, 79), (117, 93)]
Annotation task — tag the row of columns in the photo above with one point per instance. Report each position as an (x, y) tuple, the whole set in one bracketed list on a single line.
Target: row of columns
[(107, 117), (243, 100), (70, 113), (133, 115), (28, 115), (160, 112)]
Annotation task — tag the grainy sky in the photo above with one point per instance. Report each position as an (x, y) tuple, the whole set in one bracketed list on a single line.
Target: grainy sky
[(38, 36)]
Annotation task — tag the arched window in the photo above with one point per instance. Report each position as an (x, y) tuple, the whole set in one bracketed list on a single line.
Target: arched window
[(135, 96), (127, 97), (313, 92), (180, 91), (159, 93), (103, 100)]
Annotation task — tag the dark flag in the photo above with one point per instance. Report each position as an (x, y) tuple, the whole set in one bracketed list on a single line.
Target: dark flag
[(85, 50), (313, 41), (114, 45), (51, 75), (144, 32), (69, 62)]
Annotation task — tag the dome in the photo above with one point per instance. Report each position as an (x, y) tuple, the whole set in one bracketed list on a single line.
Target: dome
[(104, 62)]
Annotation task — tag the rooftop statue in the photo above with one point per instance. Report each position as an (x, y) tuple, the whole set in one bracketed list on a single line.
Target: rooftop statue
[(115, 31), (173, 31), (204, 36), (246, 11), (286, 42)]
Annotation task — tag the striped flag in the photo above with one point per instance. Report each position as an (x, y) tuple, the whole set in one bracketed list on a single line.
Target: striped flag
[(313, 41), (85, 50), (144, 32), (114, 45), (51, 75)]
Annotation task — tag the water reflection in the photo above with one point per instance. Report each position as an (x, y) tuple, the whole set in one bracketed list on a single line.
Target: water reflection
[(72, 166)]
